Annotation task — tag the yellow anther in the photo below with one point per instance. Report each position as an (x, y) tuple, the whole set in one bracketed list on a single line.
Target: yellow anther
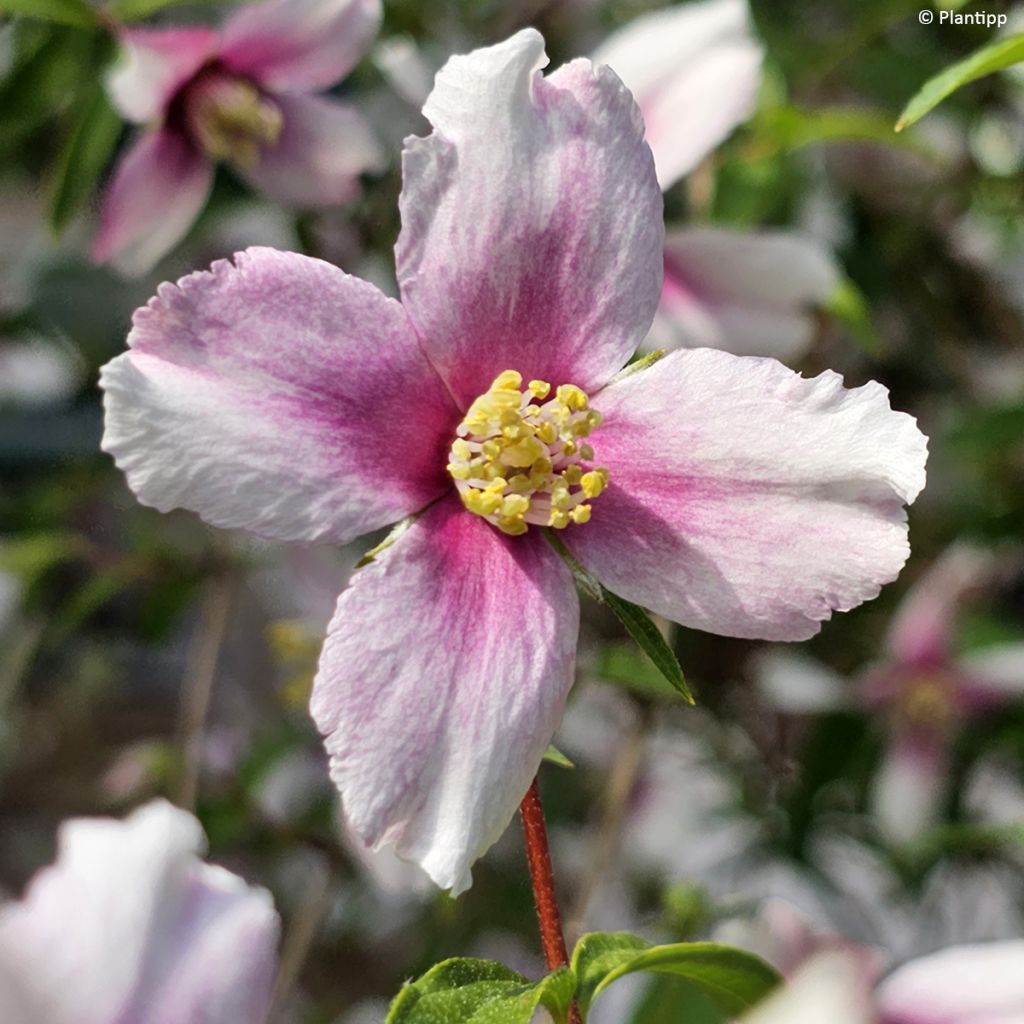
[(514, 461), (507, 380), (572, 397), (593, 483), (559, 519)]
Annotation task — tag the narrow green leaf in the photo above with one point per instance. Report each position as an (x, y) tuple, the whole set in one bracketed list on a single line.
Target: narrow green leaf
[(848, 305), (624, 665), (84, 157), (136, 10), (637, 622), (465, 991), (991, 58), (77, 13), (554, 756), (396, 531), (732, 979), (791, 128), (647, 635)]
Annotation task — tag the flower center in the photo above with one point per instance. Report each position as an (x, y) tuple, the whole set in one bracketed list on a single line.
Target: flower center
[(231, 119), (518, 459)]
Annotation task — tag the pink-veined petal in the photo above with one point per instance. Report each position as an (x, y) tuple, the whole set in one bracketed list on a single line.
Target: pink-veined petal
[(441, 683), (278, 395), (921, 633), (129, 924), (743, 292), (300, 45), (158, 189), (154, 64), (746, 500), (695, 71), (531, 221), (316, 161), (976, 984)]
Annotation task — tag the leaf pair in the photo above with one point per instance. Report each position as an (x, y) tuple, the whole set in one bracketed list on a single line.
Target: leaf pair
[(465, 991)]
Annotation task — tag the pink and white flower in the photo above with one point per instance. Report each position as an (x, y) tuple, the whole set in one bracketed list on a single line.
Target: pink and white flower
[(279, 395), (695, 71), (130, 924), (244, 94)]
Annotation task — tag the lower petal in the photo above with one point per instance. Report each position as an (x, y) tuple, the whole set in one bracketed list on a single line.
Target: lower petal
[(316, 160), (155, 195), (441, 683), (746, 500), (743, 292)]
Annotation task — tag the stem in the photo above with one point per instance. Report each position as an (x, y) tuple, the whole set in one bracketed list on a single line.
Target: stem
[(539, 857)]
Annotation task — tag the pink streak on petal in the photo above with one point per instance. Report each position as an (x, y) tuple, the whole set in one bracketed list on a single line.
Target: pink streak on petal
[(531, 221), (746, 500), (695, 71), (975, 984), (441, 683), (300, 45), (744, 292), (158, 189), (153, 936), (278, 395), (323, 148), (154, 65)]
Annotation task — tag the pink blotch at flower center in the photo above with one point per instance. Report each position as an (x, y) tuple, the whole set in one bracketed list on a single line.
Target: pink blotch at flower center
[(230, 118), (928, 701), (519, 455)]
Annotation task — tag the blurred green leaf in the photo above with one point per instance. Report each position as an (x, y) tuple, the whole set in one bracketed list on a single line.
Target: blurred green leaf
[(790, 128), (465, 991), (733, 979), (668, 1000), (995, 57), (136, 10), (28, 557), (77, 13), (623, 665), (648, 637), (848, 305), (82, 160)]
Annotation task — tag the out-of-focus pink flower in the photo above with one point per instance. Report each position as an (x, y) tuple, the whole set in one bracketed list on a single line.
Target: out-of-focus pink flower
[(130, 925), (279, 395), (240, 94), (828, 989), (977, 984), (695, 71)]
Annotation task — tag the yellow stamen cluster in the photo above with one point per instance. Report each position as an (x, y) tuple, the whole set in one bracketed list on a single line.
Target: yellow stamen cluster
[(233, 120), (518, 459)]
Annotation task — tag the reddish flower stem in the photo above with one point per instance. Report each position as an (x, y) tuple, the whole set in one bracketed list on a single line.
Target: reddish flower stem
[(539, 857)]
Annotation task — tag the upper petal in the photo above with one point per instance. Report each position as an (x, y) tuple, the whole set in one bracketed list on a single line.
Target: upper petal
[(694, 70), (441, 683), (746, 500), (279, 395), (157, 190), (119, 924), (300, 45), (154, 64), (531, 221), (976, 984), (316, 160), (744, 292)]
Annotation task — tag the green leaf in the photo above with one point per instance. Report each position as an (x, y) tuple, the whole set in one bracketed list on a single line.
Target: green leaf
[(647, 635), (637, 622), (669, 1000), (848, 305), (554, 756), (84, 157), (396, 531), (791, 128), (465, 991), (66, 12), (623, 665), (136, 10), (732, 979), (995, 57)]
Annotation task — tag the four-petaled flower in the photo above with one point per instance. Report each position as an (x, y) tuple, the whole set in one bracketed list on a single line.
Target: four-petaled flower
[(279, 395), (239, 94)]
